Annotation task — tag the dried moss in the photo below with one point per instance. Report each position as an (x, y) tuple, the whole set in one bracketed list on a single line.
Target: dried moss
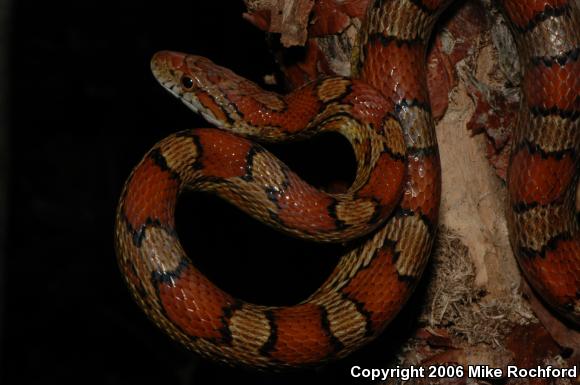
[(455, 302)]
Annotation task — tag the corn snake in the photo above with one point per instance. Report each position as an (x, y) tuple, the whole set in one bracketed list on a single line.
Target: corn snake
[(395, 194)]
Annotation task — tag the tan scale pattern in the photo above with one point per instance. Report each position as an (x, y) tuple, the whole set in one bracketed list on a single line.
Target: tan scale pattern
[(153, 261), (410, 23), (346, 323), (392, 142), (564, 133), (247, 322), (413, 241), (540, 224), (333, 89), (345, 208), (179, 153)]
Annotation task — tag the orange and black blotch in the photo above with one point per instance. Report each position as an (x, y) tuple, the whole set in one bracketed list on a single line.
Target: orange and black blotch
[(301, 206), (194, 305), (300, 335), (540, 178), (384, 185), (150, 196), (366, 289), (252, 152), (223, 155), (555, 272), (550, 247), (552, 86)]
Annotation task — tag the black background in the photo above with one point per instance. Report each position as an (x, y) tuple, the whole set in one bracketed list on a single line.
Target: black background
[(84, 110)]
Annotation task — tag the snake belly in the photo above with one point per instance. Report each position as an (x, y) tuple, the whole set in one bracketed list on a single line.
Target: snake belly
[(395, 196)]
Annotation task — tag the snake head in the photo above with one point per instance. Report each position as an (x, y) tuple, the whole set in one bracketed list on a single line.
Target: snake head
[(203, 86), (181, 73)]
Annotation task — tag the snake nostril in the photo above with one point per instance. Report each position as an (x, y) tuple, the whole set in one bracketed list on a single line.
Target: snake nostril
[(186, 82)]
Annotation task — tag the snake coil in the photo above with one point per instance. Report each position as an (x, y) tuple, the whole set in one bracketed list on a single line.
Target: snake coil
[(384, 113)]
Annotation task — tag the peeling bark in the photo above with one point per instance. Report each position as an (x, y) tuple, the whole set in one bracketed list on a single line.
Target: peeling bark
[(288, 18)]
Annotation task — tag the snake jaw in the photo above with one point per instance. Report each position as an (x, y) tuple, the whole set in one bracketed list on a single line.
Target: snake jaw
[(172, 90), (165, 73), (195, 105)]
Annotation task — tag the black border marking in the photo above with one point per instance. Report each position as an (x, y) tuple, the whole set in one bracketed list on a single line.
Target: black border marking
[(360, 307), (548, 12), (137, 235), (273, 194), (198, 163), (270, 344), (331, 209), (377, 4), (248, 169), (388, 243), (377, 214), (431, 227), (347, 91), (168, 277), (535, 149), (388, 40), (227, 313), (572, 115), (562, 60), (162, 278), (394, 156), (194, 136), (159, 160), (551, 245), (409, 103), (400, 212), (422, 152), (335, 343), (406, 278), (522, 207)]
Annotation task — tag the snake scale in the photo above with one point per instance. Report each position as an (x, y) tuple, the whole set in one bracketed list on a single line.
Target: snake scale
[(394, 200)]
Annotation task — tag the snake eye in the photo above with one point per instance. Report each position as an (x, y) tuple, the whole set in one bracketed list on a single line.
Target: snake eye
[(186, 82)]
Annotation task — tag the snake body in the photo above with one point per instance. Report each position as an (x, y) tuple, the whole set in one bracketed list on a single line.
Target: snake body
[(384, 113)]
